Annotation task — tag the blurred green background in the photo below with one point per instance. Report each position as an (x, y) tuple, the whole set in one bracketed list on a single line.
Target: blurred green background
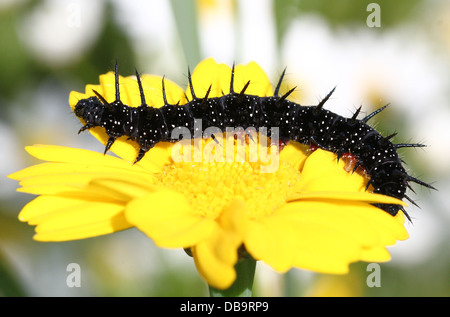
[(49, 48)]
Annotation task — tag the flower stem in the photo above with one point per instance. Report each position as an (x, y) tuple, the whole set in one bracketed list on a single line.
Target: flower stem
[(242, 286)]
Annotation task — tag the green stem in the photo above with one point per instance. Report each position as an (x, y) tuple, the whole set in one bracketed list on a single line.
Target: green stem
[(242, 286)]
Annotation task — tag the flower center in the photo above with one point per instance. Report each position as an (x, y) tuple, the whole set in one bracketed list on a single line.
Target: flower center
[(210, 185)]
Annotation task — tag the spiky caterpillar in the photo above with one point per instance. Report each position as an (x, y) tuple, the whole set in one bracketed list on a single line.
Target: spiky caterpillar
[(304, 124)]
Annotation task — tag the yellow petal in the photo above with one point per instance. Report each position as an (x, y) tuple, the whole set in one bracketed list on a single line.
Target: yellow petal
[(52, 178), (124, 188), (295, 154), (208, 73), (101, 227), (82, 177), (54, 168), (233, 224), (154, 93), (375, 254), (216, 256), (55, 153), (323, 236), (352, 196), (217, 274), (76, 214), (322, 172), (259, 82), (74, 97), (167, 218), (47, 204), (79, 221), (270, 240), (323, 250), (363, 222), (218, 76)]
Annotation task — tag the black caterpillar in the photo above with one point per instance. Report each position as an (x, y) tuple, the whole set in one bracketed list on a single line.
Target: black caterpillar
[(310, 125)]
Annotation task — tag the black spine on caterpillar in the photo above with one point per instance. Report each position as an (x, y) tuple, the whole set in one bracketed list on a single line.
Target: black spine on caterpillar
[(305, 124)]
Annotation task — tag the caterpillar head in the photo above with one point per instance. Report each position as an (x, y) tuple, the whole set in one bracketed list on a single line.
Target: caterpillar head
[(90, 109)]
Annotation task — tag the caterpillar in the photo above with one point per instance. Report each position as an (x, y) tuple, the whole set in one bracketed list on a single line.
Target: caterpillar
[(310, 125)]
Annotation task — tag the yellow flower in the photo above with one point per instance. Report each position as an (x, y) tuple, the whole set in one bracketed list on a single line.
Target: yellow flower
[(306, 213)]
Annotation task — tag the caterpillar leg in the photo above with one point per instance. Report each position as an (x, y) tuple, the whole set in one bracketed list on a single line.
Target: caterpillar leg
[(109, 144), (140, 155), (85, 127)]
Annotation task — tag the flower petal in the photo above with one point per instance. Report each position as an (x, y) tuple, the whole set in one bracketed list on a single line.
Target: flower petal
[(355, 196), (259, 82), (101, 227), (270, 240), (82, 177), (75, 220), (322, 172), (52, 179), (375, 254), (167, 218), (305, 245), (43, 205), (364, 222), (323, 236), (233, 223), (55, 153), (217, 273), (218, 76), (124, 188), (216, 256), (295, 154)]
